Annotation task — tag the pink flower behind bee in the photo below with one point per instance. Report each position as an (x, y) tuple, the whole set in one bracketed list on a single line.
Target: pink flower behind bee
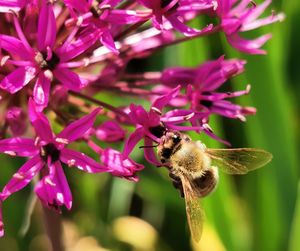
[(120, 165), (15, 118), (110, 131)]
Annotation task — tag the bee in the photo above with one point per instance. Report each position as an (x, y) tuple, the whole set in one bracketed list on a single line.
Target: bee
[(194, 169)]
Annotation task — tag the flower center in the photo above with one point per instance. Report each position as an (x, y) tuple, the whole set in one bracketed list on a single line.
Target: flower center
[(206, 103), (51, 151), (47, 64)]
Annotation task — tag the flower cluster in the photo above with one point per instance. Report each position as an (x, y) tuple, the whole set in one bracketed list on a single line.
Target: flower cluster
[(57, 56)]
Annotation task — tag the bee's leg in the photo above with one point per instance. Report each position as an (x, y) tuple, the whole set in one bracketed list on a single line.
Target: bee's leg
[(176, 181)]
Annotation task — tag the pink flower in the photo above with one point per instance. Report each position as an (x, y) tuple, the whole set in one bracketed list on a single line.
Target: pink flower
[(46, 154), (148, 125), (152, 125), (172, 12), (243, 16), (15, 117), (121, 166), (103, 18), (110, 131), (201, 84), (46, 61)]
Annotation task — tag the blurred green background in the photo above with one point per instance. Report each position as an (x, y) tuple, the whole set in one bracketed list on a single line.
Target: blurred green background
[(258, 211)]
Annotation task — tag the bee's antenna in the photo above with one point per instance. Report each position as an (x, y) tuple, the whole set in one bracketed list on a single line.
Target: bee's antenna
[(149, 146)]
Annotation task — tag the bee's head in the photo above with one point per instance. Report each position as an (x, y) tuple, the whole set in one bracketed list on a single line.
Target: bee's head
[(169, 144)]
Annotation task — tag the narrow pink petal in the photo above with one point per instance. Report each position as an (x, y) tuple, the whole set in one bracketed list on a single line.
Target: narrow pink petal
[(257, 11), (77, 129), (149, 152), (18, 147), (108, 41), (7, 6), (68, 79), (133, 139), (262, 22), (249, 46), (80, 6), (110, 131), (46, 27), (15, 117), (23, 176), (138, 114), (39, 122), (14, 46), (17, 79), (41, 92), (85, 41), (181, 27), (119, 165), (162, 101), (53, 190), (125, 17), (81, 161)]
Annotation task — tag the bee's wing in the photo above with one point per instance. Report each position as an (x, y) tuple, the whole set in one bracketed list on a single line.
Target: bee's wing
[(193, 209), (238, 160)]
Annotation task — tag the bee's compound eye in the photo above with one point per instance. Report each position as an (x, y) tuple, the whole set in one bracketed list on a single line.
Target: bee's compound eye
[(166, 153), (176, 139)]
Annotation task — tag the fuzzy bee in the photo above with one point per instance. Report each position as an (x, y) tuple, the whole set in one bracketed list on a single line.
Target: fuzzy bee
[(194, 169)]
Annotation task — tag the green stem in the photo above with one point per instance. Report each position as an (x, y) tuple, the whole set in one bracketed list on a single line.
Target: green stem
[(54, 228)]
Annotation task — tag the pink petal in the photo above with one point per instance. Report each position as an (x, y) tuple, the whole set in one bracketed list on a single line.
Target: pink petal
[(133, 139), (46, 27), (18, 146), (149, 152), (53, 190), (120, 166), (14, 46), (162, 101), (15, 117), (81, 161), (125, 17), (181, 27), (262, 22), (85, 41), (7, 6), (78, 5), (257, 11), (110, 131), (39, 122), (17, 79), (249, 46), (41, 92), (77, 129), (108, 41), (68, 79), (23, 176), (138, 115)]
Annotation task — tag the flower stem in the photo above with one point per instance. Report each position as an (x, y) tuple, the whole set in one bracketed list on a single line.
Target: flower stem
[(54, 228), (100, 103)]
